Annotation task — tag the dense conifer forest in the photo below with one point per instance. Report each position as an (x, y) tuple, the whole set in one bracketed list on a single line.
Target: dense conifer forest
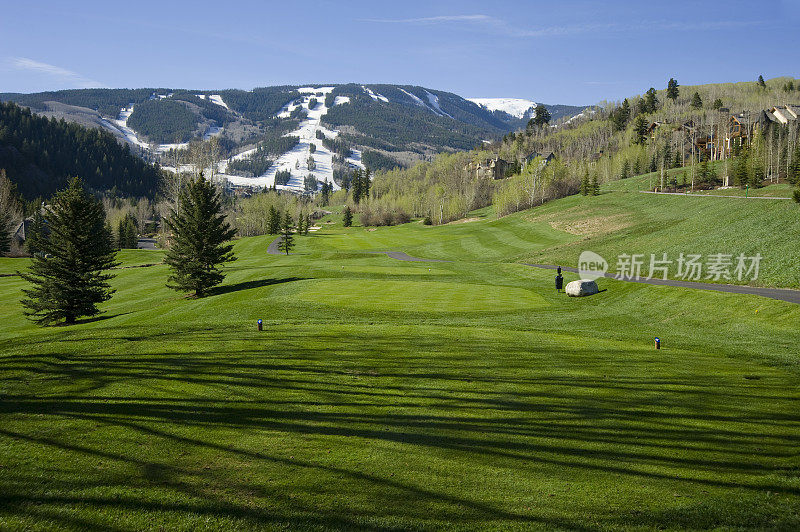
[(41, 154)]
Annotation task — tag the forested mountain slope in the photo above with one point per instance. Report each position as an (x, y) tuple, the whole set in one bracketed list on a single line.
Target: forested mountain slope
[(40, 154)]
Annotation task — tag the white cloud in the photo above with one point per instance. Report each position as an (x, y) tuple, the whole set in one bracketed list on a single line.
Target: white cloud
[(62, 75)]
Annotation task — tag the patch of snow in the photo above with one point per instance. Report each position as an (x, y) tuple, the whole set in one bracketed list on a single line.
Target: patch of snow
[(414, 97), (374, 95), (217, 99), (516, 107), (339, 100), (355, 159), (434, 101), (201, 96), (296, 159)]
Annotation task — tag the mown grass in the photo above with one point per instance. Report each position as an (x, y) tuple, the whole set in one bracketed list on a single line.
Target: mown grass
[(382, 395)]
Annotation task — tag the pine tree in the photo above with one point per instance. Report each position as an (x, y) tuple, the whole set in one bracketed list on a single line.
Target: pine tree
[(650, 103), (637, 166), (595, 186), (676, 161), (621, 115), (717, 104), (287, 240), (307, 224), (355, 186), (697, 102), (69, 269), (761, 82), (273, 221), (672, 89), (640, 130), (199, 239), (300, 221), (347, 219), (9, 211), (625, 171)]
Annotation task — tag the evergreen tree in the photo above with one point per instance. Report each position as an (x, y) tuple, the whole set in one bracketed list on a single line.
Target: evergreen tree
[(287, 240), (697, 102), (541, 117), (717, 104), (625, 171), (9, 211), (69, 270), (761, 82), (621, 115), (595, 187), (640, 130), (307, 224), (126, 233), (637, 166), (676, 161), (796, 195), (650, 103), (199, 236), (327, 188), (347, 219), (273, 221), (300, 221), (672, 89), (355, 186)]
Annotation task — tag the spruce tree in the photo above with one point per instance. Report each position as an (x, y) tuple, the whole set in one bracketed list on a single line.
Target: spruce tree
[(356, 186), (650, 103), (9, 211), (72, 257), (287, 240), (672, 89), (697, 102), (717, 104), (625, 171), (761, 82), (307, 224), (300, 223), (676, 161), (640, 130), (273, 221), (199, 239), (347, 219), (595, 186)]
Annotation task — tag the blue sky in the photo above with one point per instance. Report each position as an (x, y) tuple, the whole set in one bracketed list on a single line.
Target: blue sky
[(572, 52)]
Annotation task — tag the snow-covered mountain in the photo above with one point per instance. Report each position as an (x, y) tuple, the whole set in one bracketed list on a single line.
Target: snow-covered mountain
[(318, 131), (516, 107)]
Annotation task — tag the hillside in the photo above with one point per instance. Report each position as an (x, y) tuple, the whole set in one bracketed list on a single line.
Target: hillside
[(41, 154), (386, 125)]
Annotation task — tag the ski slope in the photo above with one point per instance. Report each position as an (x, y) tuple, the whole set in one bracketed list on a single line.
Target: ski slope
[(517, 107), (296, 159)]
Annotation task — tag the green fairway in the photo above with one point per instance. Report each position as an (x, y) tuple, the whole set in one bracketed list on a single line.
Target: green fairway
[(398, 395)]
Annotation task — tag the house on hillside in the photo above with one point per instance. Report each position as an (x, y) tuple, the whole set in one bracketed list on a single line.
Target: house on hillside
[(492, 168), (545, 157), (783, 115), (651, 129)]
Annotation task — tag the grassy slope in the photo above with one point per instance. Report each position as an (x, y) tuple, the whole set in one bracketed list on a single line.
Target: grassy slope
[(475, 397), (624, 220)]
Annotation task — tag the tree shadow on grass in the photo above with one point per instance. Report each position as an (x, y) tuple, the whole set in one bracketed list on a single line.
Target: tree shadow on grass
[(93, 319), (248, 285)]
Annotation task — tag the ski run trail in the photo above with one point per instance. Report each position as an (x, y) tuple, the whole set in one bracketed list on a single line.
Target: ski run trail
[(296, 160)]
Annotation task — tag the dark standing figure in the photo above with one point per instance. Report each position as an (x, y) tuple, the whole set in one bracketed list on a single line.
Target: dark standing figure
[(559, 281)]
